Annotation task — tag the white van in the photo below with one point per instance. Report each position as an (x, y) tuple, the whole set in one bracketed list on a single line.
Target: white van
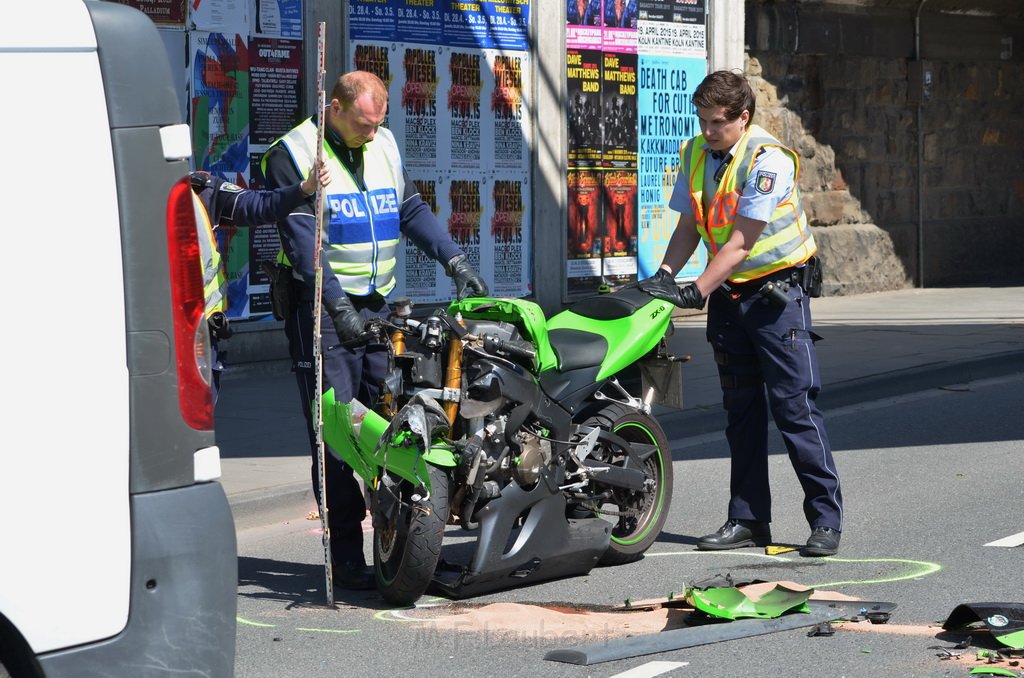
[(117, 546)]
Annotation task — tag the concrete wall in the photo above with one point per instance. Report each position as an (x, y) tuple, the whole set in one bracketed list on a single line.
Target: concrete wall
[(941, 182)]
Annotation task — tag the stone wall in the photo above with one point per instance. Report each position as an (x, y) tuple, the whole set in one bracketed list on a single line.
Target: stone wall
[(857, 255), (836, 81)]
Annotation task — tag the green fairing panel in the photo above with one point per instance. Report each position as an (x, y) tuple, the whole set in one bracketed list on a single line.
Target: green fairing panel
[(526, 314), (629, 338), (731, 603), (992, 671), (361, 451)]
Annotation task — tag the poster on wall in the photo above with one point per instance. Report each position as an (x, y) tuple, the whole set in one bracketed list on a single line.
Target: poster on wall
[(163, 13), (275, 74), (418, 21), (509, 109), (419, 273), (371, 20), (487, 24), (585, 245), (618, 101), (277, 19), (464, 200), (461, 122), (457, 78), (219, 16), (219, 99), (418, 103), (666, 119), (583, 74), (508, 246), (619, 225), (672, 11)]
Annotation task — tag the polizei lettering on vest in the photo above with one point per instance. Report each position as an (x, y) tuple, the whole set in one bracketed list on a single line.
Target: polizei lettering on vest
[(351, 207), (384, 203)]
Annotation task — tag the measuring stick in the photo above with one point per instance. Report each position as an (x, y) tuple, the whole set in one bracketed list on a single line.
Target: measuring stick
[(318, 354)]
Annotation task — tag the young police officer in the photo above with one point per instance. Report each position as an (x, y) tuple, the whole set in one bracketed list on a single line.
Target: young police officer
[(737, 191), (221, 203), (372, 201)]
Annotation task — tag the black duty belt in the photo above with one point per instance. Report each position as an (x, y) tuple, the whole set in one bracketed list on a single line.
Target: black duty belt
[(791, 275)]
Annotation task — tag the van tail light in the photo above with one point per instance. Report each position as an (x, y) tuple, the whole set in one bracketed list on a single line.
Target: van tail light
[(191, 342)]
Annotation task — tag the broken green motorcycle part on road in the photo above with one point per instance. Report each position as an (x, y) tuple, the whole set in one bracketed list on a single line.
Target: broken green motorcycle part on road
[(992, 671), (1004, 621), (354, 433), (731, 603)]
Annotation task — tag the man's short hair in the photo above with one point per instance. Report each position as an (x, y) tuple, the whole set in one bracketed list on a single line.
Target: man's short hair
[(729, 90), (354, 84)]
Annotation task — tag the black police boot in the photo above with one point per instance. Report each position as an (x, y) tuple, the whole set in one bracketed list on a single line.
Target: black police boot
[(736, 534), (824, 541), (354, 576)]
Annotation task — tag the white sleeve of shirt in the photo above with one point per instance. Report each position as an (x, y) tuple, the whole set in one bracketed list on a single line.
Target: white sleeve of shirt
[(769, 183)]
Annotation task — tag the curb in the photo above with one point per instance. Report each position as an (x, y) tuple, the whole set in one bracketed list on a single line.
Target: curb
[(685, 423), (260, 507)]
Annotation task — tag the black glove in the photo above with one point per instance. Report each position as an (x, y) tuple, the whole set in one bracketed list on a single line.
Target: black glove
[(662, 285), (219, 325), (347, 321), (460, 270)]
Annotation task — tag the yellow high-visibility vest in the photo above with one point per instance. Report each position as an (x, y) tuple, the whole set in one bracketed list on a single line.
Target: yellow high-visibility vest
[(786, 239), (361, 232), (214, 280)]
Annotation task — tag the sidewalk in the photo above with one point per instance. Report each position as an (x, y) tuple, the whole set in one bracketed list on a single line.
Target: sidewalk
[(874, 345)]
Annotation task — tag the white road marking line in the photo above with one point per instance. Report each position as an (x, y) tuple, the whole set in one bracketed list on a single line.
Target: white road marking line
[(650, 669), (1010, 542)]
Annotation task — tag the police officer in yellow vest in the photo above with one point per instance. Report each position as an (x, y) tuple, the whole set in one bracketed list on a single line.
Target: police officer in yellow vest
[(220, 203), (371, 203), (737, 192)]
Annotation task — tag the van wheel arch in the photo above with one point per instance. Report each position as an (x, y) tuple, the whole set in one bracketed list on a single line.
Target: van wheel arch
[(16, 656)]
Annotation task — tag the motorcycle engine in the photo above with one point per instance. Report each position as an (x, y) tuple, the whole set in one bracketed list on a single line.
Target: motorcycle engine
[(536, 453)]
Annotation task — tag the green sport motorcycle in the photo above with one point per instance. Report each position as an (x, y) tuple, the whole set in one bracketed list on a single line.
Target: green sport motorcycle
[(517, 429)]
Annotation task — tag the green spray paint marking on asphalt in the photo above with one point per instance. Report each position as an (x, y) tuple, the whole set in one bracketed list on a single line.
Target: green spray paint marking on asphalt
[(924, 568), (299, 628), (240, 620)]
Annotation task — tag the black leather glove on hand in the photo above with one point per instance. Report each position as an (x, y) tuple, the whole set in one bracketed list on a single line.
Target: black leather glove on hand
[(662, 285), (347, 321), (220, 327), (460, 270)]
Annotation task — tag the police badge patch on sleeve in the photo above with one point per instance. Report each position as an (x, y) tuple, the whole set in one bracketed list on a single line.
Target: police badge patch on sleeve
[(764, 182), (228, 187)]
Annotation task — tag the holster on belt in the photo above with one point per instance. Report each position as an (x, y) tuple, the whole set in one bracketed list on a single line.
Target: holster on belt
[(811, 277), (282, 294)]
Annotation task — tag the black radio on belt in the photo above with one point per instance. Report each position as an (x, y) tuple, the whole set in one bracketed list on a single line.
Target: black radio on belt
[(774, 292)]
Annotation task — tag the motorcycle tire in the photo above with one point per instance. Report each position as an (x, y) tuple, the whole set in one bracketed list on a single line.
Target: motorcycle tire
[(406, 549), (632, 535)]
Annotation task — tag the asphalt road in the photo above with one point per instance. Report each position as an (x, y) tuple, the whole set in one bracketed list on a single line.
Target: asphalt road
[(929, 478)]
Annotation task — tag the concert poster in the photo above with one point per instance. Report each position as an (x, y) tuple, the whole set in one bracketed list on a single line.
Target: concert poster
[(619, 232), (618, 99), (419, 105), (583, 74), (509, 236), (585, 243), (509, 109)]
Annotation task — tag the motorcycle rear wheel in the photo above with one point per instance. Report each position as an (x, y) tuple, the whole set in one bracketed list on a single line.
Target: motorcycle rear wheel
[(648, 509), (406, 549)]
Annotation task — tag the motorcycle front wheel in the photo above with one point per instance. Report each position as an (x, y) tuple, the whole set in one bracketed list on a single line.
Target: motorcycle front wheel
[(407, 543), (638, 515)]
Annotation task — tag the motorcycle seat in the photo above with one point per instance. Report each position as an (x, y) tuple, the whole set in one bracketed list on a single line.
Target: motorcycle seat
[(619, 304), (577, 349)]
